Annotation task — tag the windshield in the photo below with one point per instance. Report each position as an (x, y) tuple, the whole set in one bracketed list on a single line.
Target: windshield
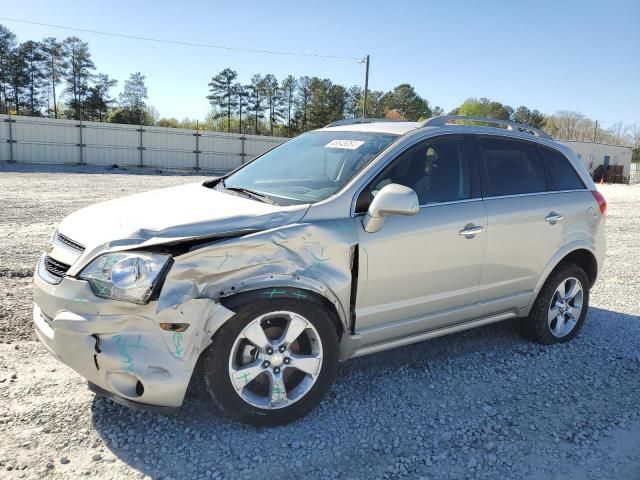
[(309, 168)]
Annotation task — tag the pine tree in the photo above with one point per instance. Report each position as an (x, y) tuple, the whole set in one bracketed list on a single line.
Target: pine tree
[(98, 100), (289, 86), (8, 45), (319, 102), (353, 102), (241, 93), (77, 74), (55, 66), (33, 57), (222, 94), (133, 108), (302, 102), (17, 79), (255, 105), (272, 94)]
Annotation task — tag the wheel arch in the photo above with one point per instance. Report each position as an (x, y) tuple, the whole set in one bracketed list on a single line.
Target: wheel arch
[(580, 255), (236, 299), (586, 260)]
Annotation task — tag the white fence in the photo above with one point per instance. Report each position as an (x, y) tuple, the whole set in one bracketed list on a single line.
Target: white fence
[(634, 176), (45, 140)]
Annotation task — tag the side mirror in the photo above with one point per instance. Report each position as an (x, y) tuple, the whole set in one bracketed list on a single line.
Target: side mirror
[(393, 199)]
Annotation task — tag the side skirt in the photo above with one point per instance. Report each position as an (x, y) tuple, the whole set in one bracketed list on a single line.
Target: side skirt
[(400, 342)]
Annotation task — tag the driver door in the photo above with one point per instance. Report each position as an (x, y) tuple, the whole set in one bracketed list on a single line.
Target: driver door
[(422, 272)]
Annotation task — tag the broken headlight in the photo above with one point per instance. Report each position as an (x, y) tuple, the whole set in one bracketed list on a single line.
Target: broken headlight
[(130, 277)]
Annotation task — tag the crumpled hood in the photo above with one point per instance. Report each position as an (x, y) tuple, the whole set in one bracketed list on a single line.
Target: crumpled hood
[(168, 214)]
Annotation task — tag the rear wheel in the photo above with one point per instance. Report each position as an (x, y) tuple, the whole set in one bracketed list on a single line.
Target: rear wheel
[(273, 362), (561, 307)]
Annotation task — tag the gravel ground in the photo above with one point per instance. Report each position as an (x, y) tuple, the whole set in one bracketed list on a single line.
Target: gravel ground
[(480, 404)]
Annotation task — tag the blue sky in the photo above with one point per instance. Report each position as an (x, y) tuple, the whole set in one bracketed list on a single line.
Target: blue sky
[(549, 55)]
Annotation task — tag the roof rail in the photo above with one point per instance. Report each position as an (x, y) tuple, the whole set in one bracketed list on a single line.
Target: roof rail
[(352, 121), (516, 127)]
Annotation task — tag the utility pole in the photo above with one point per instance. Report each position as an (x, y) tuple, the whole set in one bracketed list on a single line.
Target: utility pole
[(595, 131), (366, 87)]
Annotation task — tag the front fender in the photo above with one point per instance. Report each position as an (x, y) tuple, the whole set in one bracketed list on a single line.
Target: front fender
[(312, 256)]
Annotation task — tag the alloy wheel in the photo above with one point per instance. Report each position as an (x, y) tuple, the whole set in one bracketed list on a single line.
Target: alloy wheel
[(565, 307), (275, 360)]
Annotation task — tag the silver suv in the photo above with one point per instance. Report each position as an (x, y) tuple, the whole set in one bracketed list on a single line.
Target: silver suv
[(345, 241)]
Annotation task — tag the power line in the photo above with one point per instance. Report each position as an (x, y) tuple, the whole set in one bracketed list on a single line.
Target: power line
[(178, 42)]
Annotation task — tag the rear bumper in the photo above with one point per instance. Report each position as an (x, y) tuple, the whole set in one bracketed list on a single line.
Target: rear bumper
[(119, 347)]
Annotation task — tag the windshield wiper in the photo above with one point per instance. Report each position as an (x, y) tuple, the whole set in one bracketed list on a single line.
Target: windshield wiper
[(251, 193)]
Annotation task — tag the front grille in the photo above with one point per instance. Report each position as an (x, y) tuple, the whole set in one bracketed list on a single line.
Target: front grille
[(54, 267), (69, 243)]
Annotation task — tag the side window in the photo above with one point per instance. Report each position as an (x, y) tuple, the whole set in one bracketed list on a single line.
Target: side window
[(563, 174), (437, 169), (512, 167)]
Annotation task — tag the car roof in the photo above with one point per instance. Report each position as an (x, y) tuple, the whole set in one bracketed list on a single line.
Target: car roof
[(396, 128)]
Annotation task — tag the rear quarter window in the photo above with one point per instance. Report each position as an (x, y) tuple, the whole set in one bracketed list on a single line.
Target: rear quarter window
[(563, 174)]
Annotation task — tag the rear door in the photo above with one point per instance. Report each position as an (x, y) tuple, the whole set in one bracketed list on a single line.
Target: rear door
[(525, 217)]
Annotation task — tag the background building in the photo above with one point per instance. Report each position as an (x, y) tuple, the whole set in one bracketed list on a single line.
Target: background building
[(596, 154)]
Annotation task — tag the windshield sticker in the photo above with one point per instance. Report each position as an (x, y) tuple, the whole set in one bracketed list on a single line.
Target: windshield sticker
[(344, 144)]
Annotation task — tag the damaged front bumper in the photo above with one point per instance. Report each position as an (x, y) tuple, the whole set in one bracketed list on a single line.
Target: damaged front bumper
[(121, 349)]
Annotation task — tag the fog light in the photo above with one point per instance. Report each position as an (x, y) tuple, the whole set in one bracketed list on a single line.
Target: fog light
[(174, 327)]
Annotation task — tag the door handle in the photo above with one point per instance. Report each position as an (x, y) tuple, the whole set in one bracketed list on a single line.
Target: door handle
[(554, 218), (471, 230)]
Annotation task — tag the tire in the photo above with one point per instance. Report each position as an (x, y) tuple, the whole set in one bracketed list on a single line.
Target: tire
[(231, 362), (542, 325)]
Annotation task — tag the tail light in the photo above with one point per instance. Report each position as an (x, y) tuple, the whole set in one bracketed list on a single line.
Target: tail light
[(602, 203)]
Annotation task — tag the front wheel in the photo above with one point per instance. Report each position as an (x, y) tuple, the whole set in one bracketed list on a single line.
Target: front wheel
[(273, 362), (561, 307)]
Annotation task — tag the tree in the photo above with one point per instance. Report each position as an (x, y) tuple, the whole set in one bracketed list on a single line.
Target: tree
[(241, 93), (17, 79), (289, 86), (302, 102), (169, 122), (222, 93), (271, 92), (55, 66), (634, 132), (318, 111), (484, 107), (352, 108), (336, 102), (8, 45), (77, 74), (255, 106), (407, 103), (529, 117), (133, 109), (375, 104), (33, 58), (98, 100)]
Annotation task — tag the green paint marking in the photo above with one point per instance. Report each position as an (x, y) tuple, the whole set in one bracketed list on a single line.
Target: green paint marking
[(126, 351), (244, 377), (177, 342), (273, 292), (277, 391), (224, 257), (298, 294), (316, 257)]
